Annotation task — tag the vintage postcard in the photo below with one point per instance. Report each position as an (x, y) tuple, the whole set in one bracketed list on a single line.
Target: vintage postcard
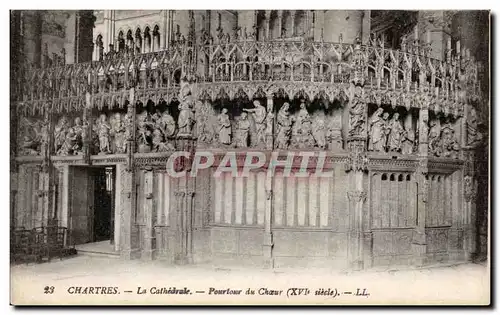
[(249, 157)]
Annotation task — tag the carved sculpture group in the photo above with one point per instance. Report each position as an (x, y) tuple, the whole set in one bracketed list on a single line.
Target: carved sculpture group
[(390, 135), (255, 127), (68, 140), (442, 140)]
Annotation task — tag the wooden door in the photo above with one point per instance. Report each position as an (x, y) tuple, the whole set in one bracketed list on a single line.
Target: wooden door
[(102, 214), (81, 194)]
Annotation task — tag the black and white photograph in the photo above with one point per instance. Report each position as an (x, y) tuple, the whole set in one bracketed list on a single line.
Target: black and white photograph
[(250, 157)]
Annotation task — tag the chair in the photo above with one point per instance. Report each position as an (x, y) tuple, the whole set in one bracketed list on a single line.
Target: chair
[(54, 242)]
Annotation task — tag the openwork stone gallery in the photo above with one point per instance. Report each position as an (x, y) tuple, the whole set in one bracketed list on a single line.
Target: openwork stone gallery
[(269, 138)]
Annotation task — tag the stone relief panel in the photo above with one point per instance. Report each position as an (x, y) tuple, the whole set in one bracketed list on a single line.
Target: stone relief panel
[(224, 135), (259, 115), (443, 141), (308, 128), (241, 126), (474, 136), (389, 132), (284, 124), (206, 122), (33, 136), (69, 135), (156, 132)]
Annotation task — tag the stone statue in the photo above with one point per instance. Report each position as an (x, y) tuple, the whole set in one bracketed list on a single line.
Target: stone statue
[(224, 127), (156, 116), (44, 139), (395, 134), (269, 123), (103, 132), (201, 118), (205, 122), (128, 122), (70, 144), (186, 119), (144, 132), (60, 132), (159, 144), (435, 138), (157, 140), (449, 141), (243, 131), (95, 137), (423, 132), (284, 122), (319, 133), (301, 131), (30, 143), (118, 132), (79, 133), (473, 135), (334, 132), (408, 141), (259, 115), (167, 125), (357, 116), (378, 125)]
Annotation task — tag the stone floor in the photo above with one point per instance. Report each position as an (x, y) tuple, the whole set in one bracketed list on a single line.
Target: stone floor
[(459, 284)]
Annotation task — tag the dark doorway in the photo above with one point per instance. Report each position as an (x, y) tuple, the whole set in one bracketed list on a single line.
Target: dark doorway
[(103, 208)]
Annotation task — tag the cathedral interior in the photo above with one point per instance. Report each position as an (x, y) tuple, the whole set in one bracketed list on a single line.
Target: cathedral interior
[(397, 100)]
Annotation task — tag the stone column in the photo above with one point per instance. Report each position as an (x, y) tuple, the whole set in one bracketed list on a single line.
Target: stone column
[(419, 244), (65, 195), (180, 254), (189, 225), (147, 247), (107, 28), (356, 166), (357, 196), (94, 52), (164, 29), (32, 36), (21, 195), (160, 223), (267, 246), (42, 191), (270, 135), (143, 43), (112, 28), (128, 187), (292, 17), (469, 204), (267, 23), (365, 27), (311, 23), (280, 22), (356, 235)]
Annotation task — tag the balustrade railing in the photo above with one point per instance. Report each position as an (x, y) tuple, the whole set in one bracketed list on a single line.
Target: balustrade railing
[(374, 66)]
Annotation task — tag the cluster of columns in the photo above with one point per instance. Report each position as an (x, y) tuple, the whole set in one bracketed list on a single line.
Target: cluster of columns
[(147, 41), (292, 15)]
